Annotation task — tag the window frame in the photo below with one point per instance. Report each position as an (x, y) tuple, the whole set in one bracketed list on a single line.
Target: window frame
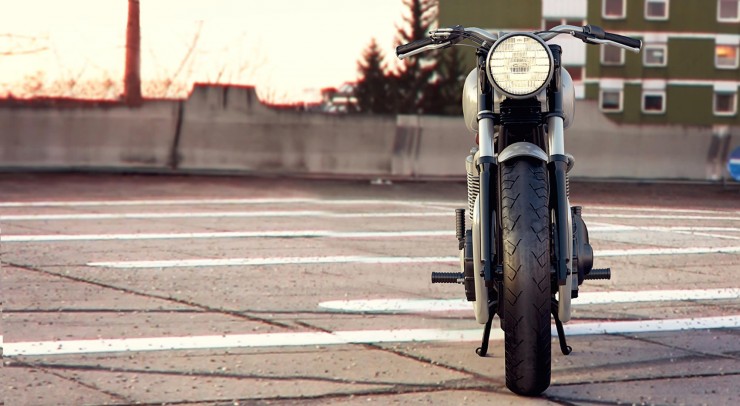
[(602, 51), (610, 17), (645, 62), (621, 100), (724, 113), (562, 21), (661, 93), (724, 19), (661, 18), (737, 57)]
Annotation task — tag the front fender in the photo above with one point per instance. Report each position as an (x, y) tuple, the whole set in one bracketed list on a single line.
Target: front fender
[(523, 149)]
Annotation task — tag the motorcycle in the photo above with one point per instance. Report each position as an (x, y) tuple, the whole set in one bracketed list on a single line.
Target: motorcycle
[(526, 251)]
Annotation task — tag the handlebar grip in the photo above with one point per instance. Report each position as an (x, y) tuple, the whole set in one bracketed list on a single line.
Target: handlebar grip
[(413, 46), (621, 39)]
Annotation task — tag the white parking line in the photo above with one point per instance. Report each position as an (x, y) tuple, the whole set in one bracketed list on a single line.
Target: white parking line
[(658, 210), (246, 201), (271, 261), (333, 234), (661, 217), (307, 213), (666, 251), (289, 200), (697, 231), (599, 226), (205, 262), (227, 234), (50, 348), (711, 235), (584, 298), (218, 214)]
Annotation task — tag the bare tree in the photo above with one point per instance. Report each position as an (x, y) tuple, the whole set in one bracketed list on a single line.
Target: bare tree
[(132, 76), (14, 44)]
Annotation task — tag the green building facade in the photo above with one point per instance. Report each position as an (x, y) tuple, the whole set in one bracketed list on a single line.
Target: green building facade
[(688, 72)]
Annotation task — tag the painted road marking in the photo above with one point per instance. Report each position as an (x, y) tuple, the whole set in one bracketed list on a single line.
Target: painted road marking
[(257, 201), (602, 227), (659, 210), (272, 261), (203, 262), (584, 298), (218, 214), (661, 217), (191, 202), (697, 231), (711, 235), (228, 234), (666, 251), (47, 348), (331, 234), (304, 213), (599, 227)]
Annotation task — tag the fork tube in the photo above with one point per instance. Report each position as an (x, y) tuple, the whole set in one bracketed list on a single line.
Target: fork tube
[(487, 166), (557, 166), (556, 134)]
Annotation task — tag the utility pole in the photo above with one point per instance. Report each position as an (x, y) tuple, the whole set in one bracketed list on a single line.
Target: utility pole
[(132, 76)]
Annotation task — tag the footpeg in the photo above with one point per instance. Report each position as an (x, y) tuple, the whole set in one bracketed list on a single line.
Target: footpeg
[(448, 277), (600, 273)]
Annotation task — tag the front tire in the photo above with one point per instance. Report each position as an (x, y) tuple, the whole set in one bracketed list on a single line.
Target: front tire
[(525, 218)]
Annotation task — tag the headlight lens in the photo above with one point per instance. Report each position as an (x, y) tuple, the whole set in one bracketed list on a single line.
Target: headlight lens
[(520, 65)]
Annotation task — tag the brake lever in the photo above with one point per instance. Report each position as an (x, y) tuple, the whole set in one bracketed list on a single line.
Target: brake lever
[(590, 39), (424, 49), (454, 34), (582, 36)]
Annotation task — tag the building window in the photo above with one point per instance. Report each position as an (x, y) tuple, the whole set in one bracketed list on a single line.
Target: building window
[(725, 103), (656, 9), (655, 55), (614, 9), (576, 72), (728, 11), (726, 56), (610, 100), (550, 23), (653, 102), (611, 55)]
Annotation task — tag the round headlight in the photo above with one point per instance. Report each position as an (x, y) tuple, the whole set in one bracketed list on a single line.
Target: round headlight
[(520, 65)]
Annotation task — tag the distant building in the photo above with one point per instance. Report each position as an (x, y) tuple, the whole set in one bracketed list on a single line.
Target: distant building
[(339, 101), (523, 15), (687, 74)]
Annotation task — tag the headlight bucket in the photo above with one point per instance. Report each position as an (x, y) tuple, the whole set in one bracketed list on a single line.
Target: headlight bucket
[(520, 65)]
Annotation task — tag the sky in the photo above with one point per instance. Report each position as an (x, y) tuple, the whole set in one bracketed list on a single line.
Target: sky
[(288, 49)]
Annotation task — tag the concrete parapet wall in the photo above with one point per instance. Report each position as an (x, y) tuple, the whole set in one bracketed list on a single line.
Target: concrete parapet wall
[(224, 128), (248, 137), (74, 137), (602, 148)]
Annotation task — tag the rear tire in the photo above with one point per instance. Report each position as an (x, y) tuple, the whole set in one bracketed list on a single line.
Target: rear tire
[(526, 272)]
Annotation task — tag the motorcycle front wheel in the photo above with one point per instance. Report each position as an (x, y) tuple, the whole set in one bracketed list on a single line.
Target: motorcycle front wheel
[(525, 219)]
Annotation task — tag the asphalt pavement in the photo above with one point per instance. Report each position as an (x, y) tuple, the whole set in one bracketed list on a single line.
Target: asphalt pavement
[(217, 290)]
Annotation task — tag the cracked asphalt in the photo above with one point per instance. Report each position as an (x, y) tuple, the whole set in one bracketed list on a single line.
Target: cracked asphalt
[(101, 259)]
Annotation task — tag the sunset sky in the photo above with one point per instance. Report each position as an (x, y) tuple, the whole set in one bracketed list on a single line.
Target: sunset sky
[(287, 48)]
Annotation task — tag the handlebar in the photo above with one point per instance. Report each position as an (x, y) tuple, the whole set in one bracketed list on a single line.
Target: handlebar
[(626, 41), (414, 45), (596, 34), (444, 37)]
